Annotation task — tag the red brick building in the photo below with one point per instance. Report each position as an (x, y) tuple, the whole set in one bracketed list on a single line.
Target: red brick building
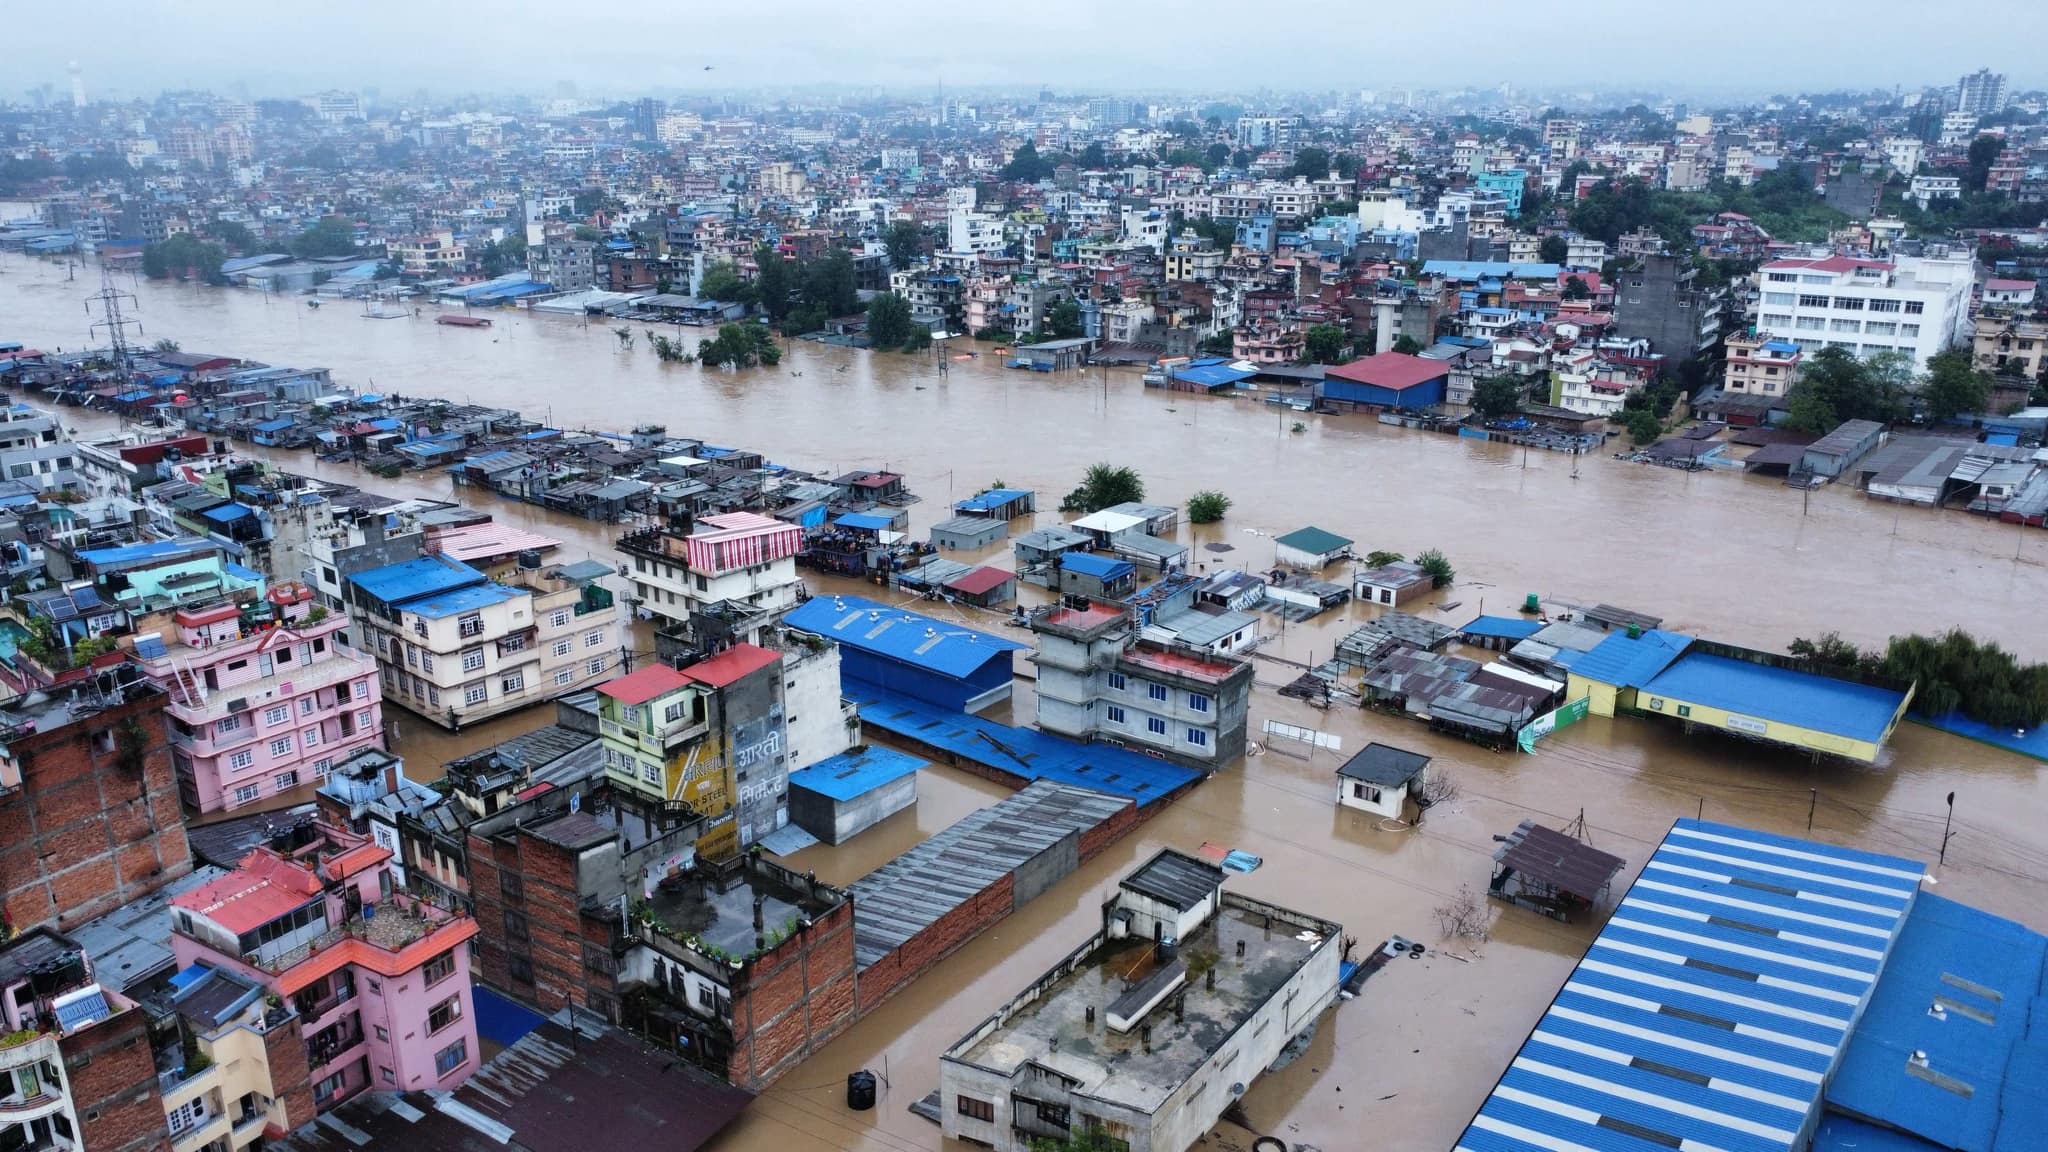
[(89, 813)]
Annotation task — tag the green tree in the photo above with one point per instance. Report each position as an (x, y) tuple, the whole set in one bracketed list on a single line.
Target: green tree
[(1406, 345), (1215, 156), (773, 282), (1105, 485), (1552, 249), (905, 242), (1324, 344), (1314, 163), (1575, 288), (1092, 156), (1952, 387), (1496, 396), (1984, 152), (919, 339), (889, 321), (1643, 425), (1207, 506), (1063, 320), (1026, 166), (1438, 566), (235, 235), (328, 236), (741, 345), (154, 265), (722, 282), (587, 233), (1382, 558), (829, 284), (1835, 386)]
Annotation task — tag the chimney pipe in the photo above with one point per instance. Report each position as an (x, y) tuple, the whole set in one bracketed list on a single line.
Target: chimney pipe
[(758, 901), (1091, 1014), (1209, 979), (1240, 949)]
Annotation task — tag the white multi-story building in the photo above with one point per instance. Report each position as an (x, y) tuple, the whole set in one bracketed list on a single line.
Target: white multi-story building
[(1904, 153), (1925, 190), (1957, 129), (1917, 305), (738, 558), (35, 451), (1981, 93)]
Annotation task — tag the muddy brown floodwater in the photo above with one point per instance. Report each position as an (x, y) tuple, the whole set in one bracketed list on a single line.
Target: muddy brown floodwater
[(1404, 1065)]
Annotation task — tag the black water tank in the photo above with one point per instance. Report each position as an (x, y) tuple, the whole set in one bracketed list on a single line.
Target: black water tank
[(529, 559), (860, 1090)]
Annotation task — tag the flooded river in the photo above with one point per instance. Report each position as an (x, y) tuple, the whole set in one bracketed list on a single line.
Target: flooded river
[(1737, 558)]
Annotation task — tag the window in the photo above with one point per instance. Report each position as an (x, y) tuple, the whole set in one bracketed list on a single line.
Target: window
[(1782, 278), (1198, 737), (285, 781), (241, 759), (376, 986), (473, 660), (1810, 324), (363, 689), (476, 694), (1777, 319), (1155, 725), (282, 746), (323, 766), (1116, 681), (310, 738), (516, 682), (382, 1034), (248, 793), (566, 676), (1849, 303), (559, 618), (650, 772), (277, 715), (433, 695), (1781, 299), (1884, 305), (412, 656), (419, 627), (386, 1074), (1822, 278), (1845, 326), (1911, 331), (982, 1110), (1197, 702), (595, 667), (593, 638), (306, 705), (513, 643), (443, 1014), (1113, 714), (1156, 691), (452, 1057), (470, 625), (563, 647), (1813, 301), (1880, 328), (191, 1114), (1360, 790), (363, 718), (426, 661), (226, 724), (1915, 307)]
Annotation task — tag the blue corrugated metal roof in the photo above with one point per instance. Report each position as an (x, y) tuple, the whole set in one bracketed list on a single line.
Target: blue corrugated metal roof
[(921, 641), (851, 774), (1712, 1005), (864, 521), (1503, 627), (1038, 756), (461, 600), (227, 513), (1784, 695), (277, 425), (1100, 567), (1212, 375), (139, 553), (426, 576), (991, 500), (1627, 662), (1987, 973)]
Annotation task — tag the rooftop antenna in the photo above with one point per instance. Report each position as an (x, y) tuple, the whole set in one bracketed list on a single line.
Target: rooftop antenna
[(113, 318)]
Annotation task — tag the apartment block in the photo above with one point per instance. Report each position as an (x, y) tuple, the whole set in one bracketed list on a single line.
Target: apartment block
[(35, 451), (1758, 366), (1915, 305), (76, 1073), (1098, 680), (456, 647), (741, 559), (380, 979), (264, 695)]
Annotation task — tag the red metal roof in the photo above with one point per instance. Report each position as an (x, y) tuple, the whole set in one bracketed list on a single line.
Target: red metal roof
[(1396, 371), (644, 685), (980, 580), (730, 665), (2008, 285), (263, 888)]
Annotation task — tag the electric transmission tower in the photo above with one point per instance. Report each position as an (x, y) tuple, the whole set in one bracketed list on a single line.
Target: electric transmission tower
[(113, 317)]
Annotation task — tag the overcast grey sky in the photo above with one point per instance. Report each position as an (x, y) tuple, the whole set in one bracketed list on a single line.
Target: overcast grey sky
[(281, 47)]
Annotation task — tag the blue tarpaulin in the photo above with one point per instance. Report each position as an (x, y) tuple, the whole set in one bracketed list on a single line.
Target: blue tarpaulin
[(227, 513)]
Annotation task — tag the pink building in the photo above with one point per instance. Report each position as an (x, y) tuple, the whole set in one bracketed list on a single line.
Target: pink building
[(264, 696), (380, 980)]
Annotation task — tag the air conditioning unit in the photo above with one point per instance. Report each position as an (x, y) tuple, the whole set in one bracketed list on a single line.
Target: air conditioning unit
[(238, 705)]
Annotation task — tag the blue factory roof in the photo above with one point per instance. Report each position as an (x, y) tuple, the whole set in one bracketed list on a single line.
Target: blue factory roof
[(1785, 695), (1478, 269), (143, 553), (411, 579), (459, 600), (864, 521), (855, 773), (277, 425), (1712, 1005), (1627, 662), (1030, 753), (227, 513), (1503, 627), (1100, 567), (991, 500), (1213, 375), (920, 641), (1985, 1084)]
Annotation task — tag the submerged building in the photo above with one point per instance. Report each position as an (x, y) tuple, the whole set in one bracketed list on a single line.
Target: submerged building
[(1099, 680), (1152, 1027)]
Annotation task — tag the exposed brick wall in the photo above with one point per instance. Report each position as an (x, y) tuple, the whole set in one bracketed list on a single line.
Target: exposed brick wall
[(490, 957), (284, 1047), (792, 1000), (948, 933), (557, 934), (84, 835), (112, 1076)]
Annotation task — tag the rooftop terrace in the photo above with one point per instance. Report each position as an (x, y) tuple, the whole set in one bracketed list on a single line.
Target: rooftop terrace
[(1052, 1028), (716, 905)]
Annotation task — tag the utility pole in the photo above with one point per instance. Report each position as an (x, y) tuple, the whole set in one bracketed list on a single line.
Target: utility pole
[(1946, 824), (113, 319)]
